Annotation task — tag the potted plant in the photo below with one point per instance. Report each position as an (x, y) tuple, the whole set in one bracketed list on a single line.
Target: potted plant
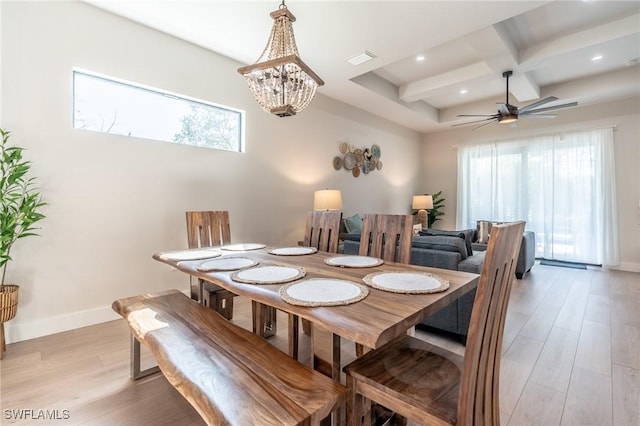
[(434, 214), (20, 203)]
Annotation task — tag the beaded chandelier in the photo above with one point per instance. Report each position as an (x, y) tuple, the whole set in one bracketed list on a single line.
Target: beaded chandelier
[(279, 81)]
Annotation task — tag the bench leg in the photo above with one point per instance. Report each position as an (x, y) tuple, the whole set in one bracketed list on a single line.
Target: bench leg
[(136, 373)]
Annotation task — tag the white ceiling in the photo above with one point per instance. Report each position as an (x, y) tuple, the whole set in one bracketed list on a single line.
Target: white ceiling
[(466, 45)]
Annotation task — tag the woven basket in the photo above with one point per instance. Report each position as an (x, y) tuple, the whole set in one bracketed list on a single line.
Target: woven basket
[(8, 302)]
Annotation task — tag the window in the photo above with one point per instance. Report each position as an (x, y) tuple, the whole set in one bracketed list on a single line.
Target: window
[(562, 185), (103, 104)]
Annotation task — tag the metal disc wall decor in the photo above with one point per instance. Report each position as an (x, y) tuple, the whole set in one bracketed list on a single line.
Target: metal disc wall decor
[(337, 163), (358, 160)]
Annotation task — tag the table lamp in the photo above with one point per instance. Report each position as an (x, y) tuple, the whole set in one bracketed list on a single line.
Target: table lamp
[(327, 199), (422, 203)]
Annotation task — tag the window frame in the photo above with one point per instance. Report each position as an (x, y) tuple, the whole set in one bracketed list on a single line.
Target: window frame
[(162, 92)]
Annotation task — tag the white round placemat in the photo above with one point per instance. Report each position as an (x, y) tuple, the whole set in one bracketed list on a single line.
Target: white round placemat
[(293, 251), (323, 292), (268, 274), (354, 261), (226, 264), (243, 247), (195, 254), (407, 282)]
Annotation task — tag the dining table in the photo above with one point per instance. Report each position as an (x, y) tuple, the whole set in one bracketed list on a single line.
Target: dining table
[(376, 319)]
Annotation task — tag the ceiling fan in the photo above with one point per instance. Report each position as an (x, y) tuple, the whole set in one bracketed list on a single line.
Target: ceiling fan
[(508, 113)]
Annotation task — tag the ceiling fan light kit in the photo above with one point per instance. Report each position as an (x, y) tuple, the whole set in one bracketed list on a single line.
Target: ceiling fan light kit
[(280, 81), (508, 113)]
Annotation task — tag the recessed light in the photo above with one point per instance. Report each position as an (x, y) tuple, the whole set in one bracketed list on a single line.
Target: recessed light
[(463, 91), (361, 58), (596, 58), (420, 58)]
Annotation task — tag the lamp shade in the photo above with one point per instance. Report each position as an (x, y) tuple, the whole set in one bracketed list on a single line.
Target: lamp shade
[(422, 202), (327, 199)]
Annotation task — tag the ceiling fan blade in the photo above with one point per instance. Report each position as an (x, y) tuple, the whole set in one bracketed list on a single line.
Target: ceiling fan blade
[(538, 103), (538, 116), (485, 124), (475, 121), (551, 108), (503, 109), (477, 115)]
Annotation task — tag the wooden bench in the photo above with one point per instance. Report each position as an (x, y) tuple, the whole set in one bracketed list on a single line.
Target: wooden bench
[(228, 374)]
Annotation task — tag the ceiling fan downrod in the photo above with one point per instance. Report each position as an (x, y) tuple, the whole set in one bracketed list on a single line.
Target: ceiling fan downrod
[(506, 75)]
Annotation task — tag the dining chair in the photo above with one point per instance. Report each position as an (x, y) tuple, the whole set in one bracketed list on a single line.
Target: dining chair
[(322, 232), (430, 385), (387, 236), (210, 229)]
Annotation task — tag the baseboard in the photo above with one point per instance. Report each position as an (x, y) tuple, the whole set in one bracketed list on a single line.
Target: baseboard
[(17, 331), (627, 266)]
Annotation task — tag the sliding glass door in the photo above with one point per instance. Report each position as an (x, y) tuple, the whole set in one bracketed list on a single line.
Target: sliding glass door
[(562, 185)]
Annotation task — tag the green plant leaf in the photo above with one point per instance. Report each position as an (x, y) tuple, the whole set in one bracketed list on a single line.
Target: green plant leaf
[(20, 200)]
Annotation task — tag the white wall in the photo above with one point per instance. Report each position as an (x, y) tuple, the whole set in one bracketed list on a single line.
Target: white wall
[(114, 201), (440, 160)]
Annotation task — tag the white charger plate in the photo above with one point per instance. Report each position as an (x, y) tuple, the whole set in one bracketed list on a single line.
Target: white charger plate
[(195, 254), (268, 274), (226, 264), (407, 282), (293, 251), (354, 261), (323, 292)]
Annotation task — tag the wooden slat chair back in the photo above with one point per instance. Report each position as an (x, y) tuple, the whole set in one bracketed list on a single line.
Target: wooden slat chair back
[(322, 230), (210, 229), (387, 237), (431, 385), (478, 400)]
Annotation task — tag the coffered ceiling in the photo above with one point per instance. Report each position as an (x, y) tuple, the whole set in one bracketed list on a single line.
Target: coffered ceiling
[(433, 60)]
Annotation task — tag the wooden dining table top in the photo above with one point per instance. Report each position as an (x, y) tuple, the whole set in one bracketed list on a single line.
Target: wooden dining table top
[(372, 322)]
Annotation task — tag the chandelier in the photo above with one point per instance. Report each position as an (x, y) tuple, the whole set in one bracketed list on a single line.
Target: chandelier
[(279, 81)]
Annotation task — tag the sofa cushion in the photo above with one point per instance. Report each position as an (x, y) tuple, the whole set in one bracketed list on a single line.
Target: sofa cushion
[(353, 223), (473, 263), (468, 235), (441, 242)]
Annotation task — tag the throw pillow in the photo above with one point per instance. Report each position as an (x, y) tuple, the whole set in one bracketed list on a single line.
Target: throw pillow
[(442, 243), (353, 223), (466, 235), (484, 227)]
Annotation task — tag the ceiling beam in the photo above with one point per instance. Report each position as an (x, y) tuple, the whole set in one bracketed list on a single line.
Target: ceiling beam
[(494, 46), (536, 55), (417, 90), (523, 88)]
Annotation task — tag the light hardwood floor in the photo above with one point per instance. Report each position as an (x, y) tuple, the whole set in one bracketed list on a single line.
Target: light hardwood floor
[(571, 357)]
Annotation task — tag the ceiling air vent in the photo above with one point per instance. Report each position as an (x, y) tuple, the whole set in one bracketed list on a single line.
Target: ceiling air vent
[(361, 58)]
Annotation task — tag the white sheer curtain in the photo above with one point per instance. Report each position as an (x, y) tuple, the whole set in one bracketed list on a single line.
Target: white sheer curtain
[(562, 185)]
